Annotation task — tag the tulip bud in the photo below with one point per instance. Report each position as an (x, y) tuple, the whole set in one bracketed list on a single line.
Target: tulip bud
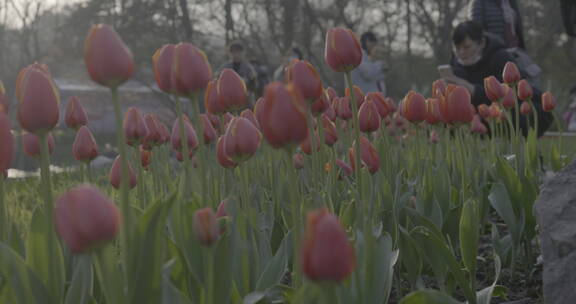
[(258, 106), (154, 136), (368, 156), (342, 107), (231, 90), (145, 158), (191, 71), (212, 101), (330, 113), (477, 126), (223, 159), (189, 132), (108, 60), (283, 116), (162, 65), (345, 169), (524, 90), (331, 94), (164, 133), (495, 111), (31, 144), (298, 161), (180, 158), (135, 129), (438, 89), (242, 140), (75, 116), (391, 104), (434, 137), (305, 78), (248, 114), (414, 107), (85, 218), (320, 105), (368, 117), (330, 132), (493, 88), (483, 111), (221, 211), (548, 102), (525, 108), (327, 255), (510, 74), (342, 50), (209, 133), (4, 105), (457, 107), (84, 148), (380, 102), (38, 109), (116, 171), (358, 94), (509, 100), (7, 146), (305, 145), (205, 226), (433, 115)]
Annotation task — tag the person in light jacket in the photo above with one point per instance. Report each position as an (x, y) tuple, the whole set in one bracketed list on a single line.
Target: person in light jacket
[(369, 75)]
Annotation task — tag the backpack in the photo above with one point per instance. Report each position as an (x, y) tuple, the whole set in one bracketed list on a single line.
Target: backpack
[(526, 65)]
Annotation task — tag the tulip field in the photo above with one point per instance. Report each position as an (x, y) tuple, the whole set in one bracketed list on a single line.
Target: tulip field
[(308, 196)]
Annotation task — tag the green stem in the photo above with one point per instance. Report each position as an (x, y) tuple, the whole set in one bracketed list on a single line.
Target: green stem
[(561, 130), (4, 219), (210, 276), (295, 206), (183, 142), (329, 293)]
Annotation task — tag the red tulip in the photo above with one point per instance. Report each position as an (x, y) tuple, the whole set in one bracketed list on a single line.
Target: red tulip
[(84, 148), (380, 102), (331, 94), (227, 119), (209, 133), (548, 102), (330, 132), (205, 226), (457, 107), (493, 88), (164, 133), (38, 108), (484, 111), (75, 116), (85, 218), (162, 65), (180, 158), (327, 255), (258, 110), (525, 108), (368, 156), (154, 136), (495, 111), (4, 105), (145, 158), (524, 90), (509, 100), (223, 159), (477, 126), (108, 60), (511, 74), (7, 146), (342, 50), (135, 129), (298, 160), (283, 116), (305, 78), (248, 114), (305, 145), (433, 114), (343, 108), (31, 144), (330, 112), (241, 140), (368, 117), (438, 89), (358, 94), (345, 169), (391, 104), (191, 71), (434, 137), (212, 101), (231, 91), (320, 105), (189, 132), (414, 107), (116, 171)]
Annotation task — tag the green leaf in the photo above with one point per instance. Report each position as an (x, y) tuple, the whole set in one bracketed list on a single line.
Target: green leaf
[(276, 268), (469, 235), (556, 158), (225, 256), (501, 202), (21, 280), (254, 297), (80, 290), (171, 294), (380, 270), (41, 245), (512, 182), (428, 297), (532, 149), (410, 257), (485, 295)]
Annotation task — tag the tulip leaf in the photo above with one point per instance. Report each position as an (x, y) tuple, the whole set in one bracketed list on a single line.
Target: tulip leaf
[(380, 270), (512, 182), (171, 294), (25, 285), (276, 268), (44, 254), (80, 290), (428, 296), (410, 257), (501, 202), (148, 241), (556, 158), (485, 295), (224, 258), (254, 297), (469, 235), (531, 149)]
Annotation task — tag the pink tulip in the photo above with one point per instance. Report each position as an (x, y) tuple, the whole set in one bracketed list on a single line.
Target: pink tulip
[(135, 128), (342, 51), (31, 144), (241, 140), (191, 70), (84, 148), (205, 226), (75, 116), (38, 107), (115, 173)]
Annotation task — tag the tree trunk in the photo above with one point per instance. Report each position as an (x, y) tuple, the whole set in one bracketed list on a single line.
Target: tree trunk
[(229, 21), (290, 14), (186, 24)]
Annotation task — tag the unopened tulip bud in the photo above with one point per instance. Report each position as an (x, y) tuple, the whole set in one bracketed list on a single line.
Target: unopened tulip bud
[(477, 126), (368, 117), (241, 140), (342, 51), (191, 70), (457, 107), (343, 108), (330, 132), (320, 105), (524, 90), (31, 144), (162, 61), (345, 169), (84, 148), (189, 133), (75, 116), (358, 94), (154, 136), (248, 114), (493, 88), (380, 102), (231, 90), (368, 156), (433, 115), (205, 226), (135, 129), (223, 159), (305, 78), (525, 108), (209, 133), (86, 219), (414, 107), (509, 100), (548, 102), (511, 74), (38, 107), (483, 111), (438, 89), (116, 171)]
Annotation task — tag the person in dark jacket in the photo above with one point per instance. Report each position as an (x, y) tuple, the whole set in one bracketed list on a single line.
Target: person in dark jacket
[(477, 55), (501, 18)]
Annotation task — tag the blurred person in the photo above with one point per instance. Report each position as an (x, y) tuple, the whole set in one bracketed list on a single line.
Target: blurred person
[(569, 117), (238, 63), (293, 53), (477, 55), (262, 76), (369, 75)]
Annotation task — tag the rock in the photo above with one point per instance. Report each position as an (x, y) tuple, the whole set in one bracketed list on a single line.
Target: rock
[(101, 162), (556, 216)]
